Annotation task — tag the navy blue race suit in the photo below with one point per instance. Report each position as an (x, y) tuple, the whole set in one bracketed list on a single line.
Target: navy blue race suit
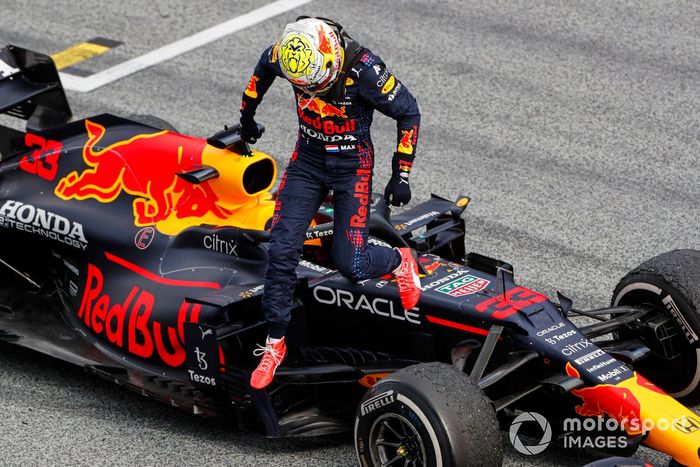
[(334, 151)]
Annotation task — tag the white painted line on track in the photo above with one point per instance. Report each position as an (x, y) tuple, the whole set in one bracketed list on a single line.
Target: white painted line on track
[(90, 83)]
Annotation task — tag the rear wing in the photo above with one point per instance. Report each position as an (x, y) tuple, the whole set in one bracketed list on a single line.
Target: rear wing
[(31, 89)]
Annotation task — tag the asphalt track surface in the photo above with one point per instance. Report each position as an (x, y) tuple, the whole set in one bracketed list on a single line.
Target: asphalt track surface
[(572, 125)]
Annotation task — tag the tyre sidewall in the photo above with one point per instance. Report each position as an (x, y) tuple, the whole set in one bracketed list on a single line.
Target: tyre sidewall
[(400, 398), (677, 307), (672, 302)]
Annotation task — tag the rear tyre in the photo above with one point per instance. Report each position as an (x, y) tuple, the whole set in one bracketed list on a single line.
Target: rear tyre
[(670, 283), (427, 415), (153, 121)]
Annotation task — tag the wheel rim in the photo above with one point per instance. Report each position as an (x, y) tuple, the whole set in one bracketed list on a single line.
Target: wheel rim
[(394, 441)]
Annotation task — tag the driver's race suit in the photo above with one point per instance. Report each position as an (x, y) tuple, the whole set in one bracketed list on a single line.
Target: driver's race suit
[(334, 151)]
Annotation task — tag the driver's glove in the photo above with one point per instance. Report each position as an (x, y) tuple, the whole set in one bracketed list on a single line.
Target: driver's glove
[(249, 130), (398, 191)]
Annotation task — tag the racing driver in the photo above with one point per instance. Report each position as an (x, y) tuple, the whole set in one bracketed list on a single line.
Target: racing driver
[(337, 85)]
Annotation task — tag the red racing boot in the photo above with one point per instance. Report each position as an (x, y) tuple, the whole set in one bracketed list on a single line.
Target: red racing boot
[(407, 278), (272, 356)]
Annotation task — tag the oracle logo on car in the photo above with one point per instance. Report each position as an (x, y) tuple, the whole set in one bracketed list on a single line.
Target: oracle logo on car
[(554, 327), (378, 306)]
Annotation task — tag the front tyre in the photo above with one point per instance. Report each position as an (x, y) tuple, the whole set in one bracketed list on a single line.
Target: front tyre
[(670, 283), (427, 415)]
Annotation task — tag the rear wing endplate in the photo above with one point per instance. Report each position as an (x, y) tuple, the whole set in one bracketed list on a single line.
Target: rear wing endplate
[(433, 225), (31, 89)]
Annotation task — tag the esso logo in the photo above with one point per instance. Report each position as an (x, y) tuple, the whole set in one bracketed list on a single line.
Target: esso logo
[(144, 237)]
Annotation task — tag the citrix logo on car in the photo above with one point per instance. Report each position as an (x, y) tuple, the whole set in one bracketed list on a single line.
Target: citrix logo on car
[(27, 218), (572, 349), (378, 306), (215, 243)]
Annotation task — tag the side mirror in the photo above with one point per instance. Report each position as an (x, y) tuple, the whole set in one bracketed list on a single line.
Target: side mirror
[(230, 138)]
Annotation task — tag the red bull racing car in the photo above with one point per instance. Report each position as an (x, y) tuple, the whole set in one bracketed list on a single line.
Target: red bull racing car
[(138, 253)]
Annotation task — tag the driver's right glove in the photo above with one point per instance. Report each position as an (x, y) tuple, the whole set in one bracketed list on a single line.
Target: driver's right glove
[(249, 130)]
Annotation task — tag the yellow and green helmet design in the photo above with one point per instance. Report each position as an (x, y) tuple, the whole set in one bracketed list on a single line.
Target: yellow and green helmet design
[(310, 54)]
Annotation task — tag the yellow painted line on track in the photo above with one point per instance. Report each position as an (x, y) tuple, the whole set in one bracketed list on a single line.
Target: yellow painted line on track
[(83, 51), (72, 82)]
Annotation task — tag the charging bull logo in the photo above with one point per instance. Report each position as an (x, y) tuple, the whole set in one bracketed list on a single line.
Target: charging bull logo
[(252, 90), (616, 402), (322, 108), (641, 407), (432, 267), (144, 166), (407, 142)]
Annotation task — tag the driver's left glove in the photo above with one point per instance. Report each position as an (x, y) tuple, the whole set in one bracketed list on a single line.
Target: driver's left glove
[(398, 190)]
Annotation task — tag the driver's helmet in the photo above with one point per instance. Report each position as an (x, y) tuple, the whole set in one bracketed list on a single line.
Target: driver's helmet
[(311, 54)]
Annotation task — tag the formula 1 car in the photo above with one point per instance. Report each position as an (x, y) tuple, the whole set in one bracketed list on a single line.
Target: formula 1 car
[(138, 253)]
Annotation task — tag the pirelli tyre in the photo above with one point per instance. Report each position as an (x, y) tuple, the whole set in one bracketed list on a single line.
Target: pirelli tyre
[(152, 120), (427, 415), (670, 283)]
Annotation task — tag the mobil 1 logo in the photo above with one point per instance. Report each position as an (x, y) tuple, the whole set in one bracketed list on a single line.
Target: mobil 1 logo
[(202, 350)]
